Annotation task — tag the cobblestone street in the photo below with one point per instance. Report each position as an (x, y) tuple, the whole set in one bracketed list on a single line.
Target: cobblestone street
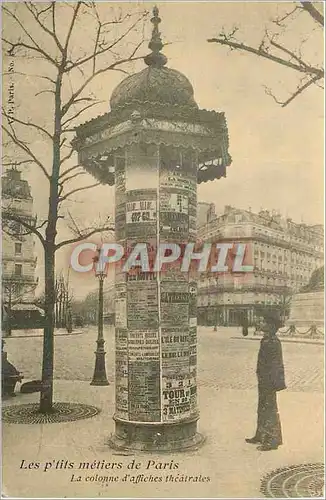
[(223, 362), (227, 402)]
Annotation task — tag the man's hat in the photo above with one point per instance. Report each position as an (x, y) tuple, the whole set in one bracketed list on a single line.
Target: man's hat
[(272, 317)]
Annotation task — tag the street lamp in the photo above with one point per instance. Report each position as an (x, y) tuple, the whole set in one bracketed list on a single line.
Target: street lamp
[(216, 308), (99, 377)]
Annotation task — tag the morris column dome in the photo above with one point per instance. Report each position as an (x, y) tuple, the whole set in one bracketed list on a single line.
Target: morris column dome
[(154, 85), (154, 106)]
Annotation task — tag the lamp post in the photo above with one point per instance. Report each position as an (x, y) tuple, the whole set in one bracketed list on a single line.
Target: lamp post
[(99, 376), (216, 309)]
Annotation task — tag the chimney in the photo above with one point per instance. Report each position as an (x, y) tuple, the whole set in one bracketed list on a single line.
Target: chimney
[(13, 174)]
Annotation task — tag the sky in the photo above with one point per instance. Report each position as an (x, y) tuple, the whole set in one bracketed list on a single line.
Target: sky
[(278, 153)]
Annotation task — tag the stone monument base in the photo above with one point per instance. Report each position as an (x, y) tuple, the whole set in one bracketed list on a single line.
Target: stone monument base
[(156, 437), (307, 309)]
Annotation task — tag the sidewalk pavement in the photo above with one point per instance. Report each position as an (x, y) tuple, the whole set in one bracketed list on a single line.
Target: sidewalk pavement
[(294, 340), (39, 333), (235, 332), (234, 467)]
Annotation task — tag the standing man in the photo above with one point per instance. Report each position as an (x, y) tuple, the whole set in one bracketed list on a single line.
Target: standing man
[(270, 374), (245, 324)]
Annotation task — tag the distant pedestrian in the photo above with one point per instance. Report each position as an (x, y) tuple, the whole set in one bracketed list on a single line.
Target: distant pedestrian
[(270, 375), (9, 377), (245, 325)]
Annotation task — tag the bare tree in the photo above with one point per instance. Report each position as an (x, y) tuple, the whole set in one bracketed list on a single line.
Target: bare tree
[(88, 307), (316, 281), (53, 34), (64, 297), (284, 302), (14, 289), (273, 49), (63, 300)]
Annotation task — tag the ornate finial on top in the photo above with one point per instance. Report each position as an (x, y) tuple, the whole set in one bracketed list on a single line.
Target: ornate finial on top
[(155, 58)]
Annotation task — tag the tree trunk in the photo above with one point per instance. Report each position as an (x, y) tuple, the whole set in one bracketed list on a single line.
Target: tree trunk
[(46, 401), (56, 314), (60, 312), (9, 329), (9, 318), (64, 310), (69, 319)]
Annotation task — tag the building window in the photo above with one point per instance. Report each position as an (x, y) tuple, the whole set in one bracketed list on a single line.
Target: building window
[(18, 248), (18, 269)]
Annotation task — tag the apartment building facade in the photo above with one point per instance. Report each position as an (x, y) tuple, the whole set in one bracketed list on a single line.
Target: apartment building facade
[(283, 254), (18, 259)]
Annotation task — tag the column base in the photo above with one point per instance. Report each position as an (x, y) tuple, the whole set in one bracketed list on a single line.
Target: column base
[(99, 376), (156, 437), (99, 382)]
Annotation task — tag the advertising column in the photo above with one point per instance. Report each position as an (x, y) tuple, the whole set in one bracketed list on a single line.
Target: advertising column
[(137, 337), (156, 321), (177, 200)]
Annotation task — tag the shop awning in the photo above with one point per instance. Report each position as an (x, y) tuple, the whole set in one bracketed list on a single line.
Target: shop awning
[(27, 307)]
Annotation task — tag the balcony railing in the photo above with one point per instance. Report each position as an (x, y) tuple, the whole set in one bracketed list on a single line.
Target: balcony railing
[(19, 258), (271, 240), (16, 278), (210, 290)]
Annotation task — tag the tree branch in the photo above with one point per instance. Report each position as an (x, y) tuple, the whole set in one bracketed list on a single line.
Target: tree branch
[(300, 90), (83, 236), (62, 198), (97, 38), (69, 178), (290, 53), (13, 286), (91, 57), (112, 67), (54, 31), (36, 15), (27, 124), (18, 234), (79, 113), (67, 156), (71, 27), (262, 53), (315, 14), (6, 73), (35, 48), (26, 149), (71, 169), (46, 91), (9, 216), (279, 20), (15, 163)]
